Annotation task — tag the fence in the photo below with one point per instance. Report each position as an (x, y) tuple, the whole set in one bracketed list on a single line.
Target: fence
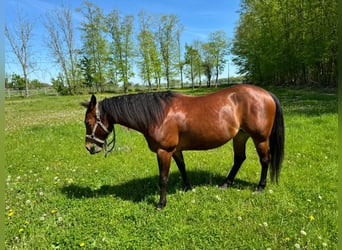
[(32, 92)]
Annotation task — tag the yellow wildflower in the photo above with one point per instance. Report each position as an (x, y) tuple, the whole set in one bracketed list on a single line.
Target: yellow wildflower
[(82, 244), (311, 217), (21, 230), (10, 213), (53, 211)]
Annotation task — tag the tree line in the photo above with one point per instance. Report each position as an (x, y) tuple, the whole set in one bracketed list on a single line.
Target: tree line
[(288, 42), (291, 42), (16, 81), (112, 48)]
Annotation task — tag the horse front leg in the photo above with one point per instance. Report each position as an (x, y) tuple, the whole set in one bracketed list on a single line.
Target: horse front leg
[(164, 160)]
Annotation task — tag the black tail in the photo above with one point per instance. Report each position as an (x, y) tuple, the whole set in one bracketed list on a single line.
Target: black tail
[(277, 141)]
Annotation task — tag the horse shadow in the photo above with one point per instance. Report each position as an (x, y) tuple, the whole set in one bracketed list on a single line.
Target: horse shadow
[(142, 189)]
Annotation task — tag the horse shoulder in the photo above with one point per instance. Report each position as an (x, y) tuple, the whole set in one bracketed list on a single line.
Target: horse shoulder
[(166, 134)]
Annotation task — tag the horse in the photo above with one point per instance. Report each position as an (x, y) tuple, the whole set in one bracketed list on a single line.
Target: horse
[(173, 122)]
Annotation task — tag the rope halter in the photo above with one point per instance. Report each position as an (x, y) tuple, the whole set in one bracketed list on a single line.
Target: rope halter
[(108, 146)]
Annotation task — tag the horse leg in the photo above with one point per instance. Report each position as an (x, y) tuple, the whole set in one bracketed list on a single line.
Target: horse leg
[(164, 160), (178, 157), (264, 156), (239, 145)]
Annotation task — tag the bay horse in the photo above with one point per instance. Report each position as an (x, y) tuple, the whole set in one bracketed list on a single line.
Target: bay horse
[(172, 122)]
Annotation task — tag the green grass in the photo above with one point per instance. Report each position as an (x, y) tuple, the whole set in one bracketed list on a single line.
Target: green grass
[(60, 197)]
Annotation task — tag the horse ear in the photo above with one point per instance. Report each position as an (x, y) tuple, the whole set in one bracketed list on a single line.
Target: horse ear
[(92, 103)]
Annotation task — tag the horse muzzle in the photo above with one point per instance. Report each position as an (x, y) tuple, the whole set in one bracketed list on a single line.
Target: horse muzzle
[(93, 148)]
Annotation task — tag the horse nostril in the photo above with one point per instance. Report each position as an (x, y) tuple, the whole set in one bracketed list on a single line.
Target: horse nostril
[(90, 147), (93, 148)]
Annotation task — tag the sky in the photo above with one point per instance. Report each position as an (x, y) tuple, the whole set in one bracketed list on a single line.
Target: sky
[(199, 18)]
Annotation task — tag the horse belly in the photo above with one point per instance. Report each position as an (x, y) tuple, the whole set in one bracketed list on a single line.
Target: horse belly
[(198, 145), (204, 140)]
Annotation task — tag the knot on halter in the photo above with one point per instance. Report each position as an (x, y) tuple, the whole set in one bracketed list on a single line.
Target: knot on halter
[(108, 146)]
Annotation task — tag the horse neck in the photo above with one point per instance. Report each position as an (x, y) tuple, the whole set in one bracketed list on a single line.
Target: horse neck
[(124, 120), (129, 124)]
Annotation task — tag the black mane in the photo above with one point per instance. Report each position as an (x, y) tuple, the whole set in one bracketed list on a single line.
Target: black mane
[(138, 110)]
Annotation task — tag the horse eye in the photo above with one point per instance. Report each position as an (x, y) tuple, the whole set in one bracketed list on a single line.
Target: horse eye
[(87, 123)]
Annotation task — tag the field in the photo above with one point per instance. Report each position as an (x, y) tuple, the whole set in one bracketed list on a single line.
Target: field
[(59, 197)]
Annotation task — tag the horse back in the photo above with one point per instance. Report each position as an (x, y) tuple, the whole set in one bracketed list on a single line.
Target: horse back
[(243, 106), (209, 121)]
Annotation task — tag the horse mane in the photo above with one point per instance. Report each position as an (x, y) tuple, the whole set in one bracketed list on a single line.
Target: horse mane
[(138, 110)]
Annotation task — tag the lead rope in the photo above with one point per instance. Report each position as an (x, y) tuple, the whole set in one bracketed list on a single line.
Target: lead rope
[(111, 144), (111, 147)]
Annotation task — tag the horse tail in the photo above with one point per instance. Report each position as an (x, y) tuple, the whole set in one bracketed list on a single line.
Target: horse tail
[(277, 141)]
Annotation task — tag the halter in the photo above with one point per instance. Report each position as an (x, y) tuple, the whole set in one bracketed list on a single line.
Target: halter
[(108, 147)]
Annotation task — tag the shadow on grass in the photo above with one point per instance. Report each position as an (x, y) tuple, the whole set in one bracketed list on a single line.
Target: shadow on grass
[(137, 190)]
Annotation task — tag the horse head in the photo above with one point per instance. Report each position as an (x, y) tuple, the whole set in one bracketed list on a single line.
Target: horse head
[(98, 127)]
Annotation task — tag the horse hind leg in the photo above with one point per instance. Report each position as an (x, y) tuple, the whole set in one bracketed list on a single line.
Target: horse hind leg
[(179, 159), (239, 145), (262, 148)]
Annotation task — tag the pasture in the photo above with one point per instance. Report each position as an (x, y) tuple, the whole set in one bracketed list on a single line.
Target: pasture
[(58, 196)]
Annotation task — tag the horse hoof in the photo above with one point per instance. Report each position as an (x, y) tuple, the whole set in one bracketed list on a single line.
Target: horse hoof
[(225, 185), (187, 188), (258, 190), (160, 206)]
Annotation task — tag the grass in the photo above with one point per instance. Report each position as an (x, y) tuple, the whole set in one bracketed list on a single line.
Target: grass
[(60, 197)]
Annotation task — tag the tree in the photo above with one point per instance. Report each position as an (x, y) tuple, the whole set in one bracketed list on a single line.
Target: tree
[(198, 63), (192, 58), (145, 64), (288, 42), (179, 62), (149, 61), (219, 48), (95, 46), (18, 82), (209, 61), (20, 37), (214, 54), (122, 49), (86, 70), (166, 35), (58, 85), (59, 26)]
